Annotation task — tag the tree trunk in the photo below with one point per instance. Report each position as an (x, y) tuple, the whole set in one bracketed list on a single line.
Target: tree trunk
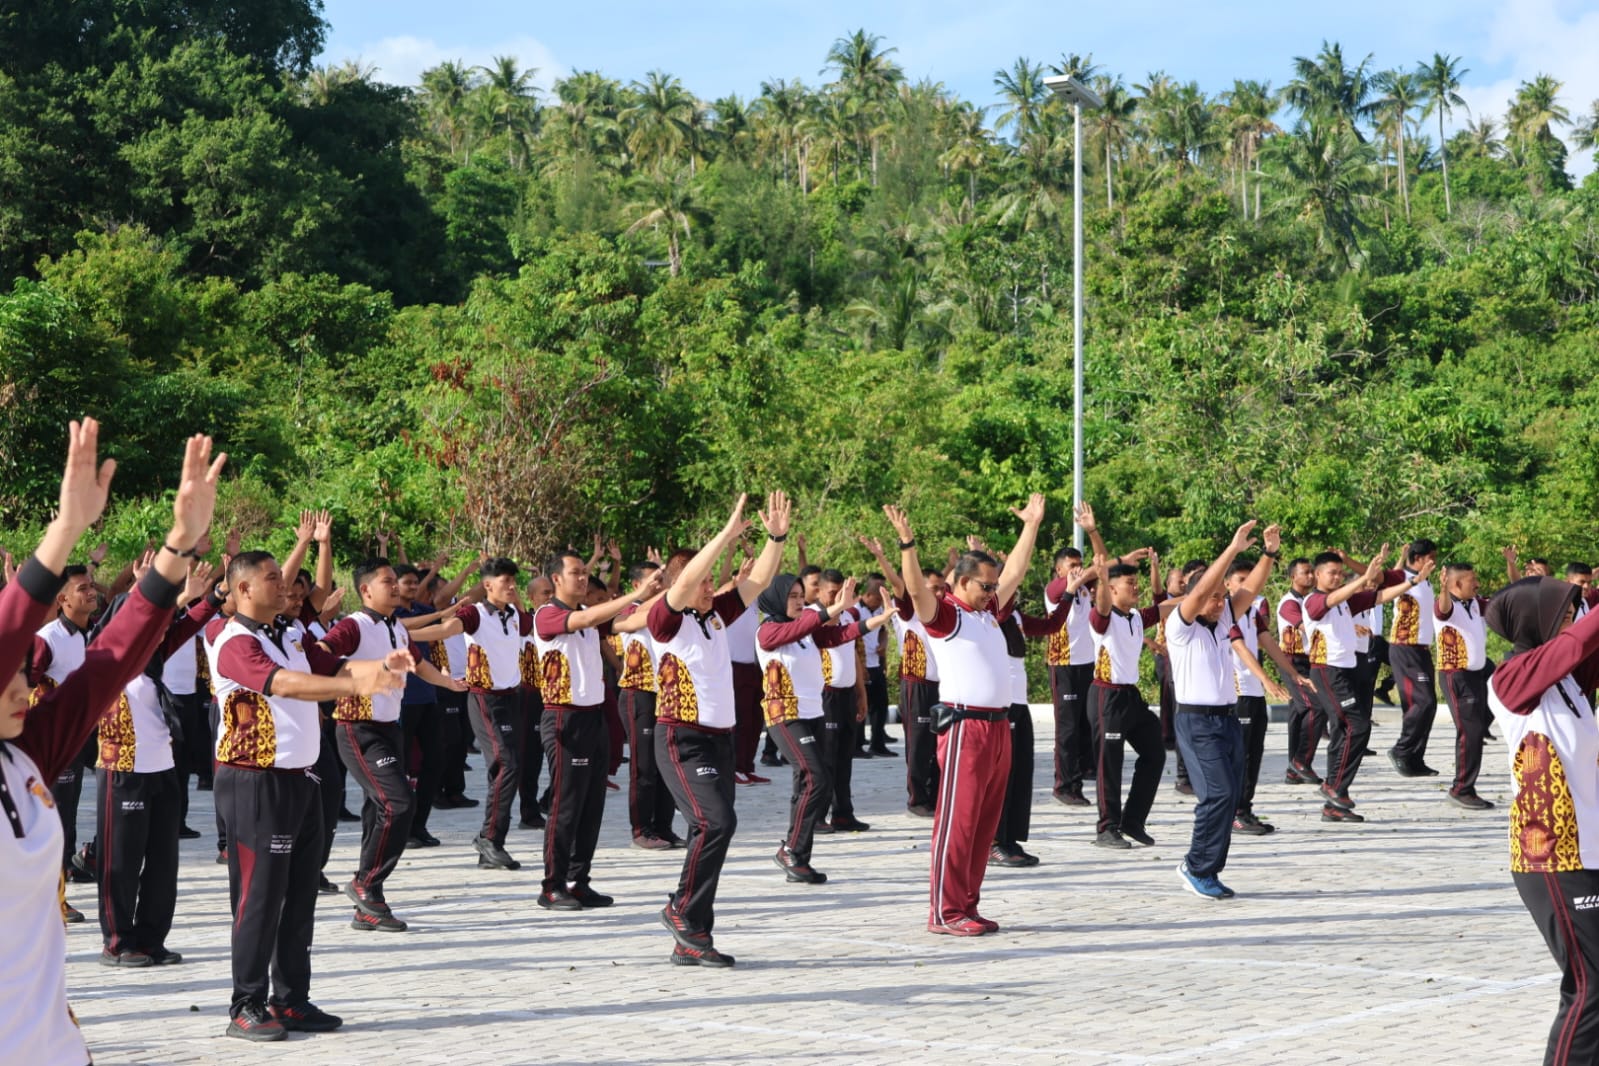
[(1404, 177), (1110, 189), (971, 188), (1443, 154)]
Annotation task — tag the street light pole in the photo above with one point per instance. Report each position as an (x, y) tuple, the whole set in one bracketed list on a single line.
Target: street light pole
[(1078, 95)]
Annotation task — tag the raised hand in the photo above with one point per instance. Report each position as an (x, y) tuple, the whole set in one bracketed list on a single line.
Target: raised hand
[(777, 514), (846, 595), (306, 526), (203, 546), (199, 582), (142, 565), (1241, 537), (1510, 554), (613, 551), (1033, 513), (322, 527), (1375, 568), (649, 586), (900, 521), (231, 543), (84, 488), (1083, 515), (1137, 555), (736, 522), (97, 553), (10, 567), (653, 555), (1272, 538), (1425, 569), (745, 568), (196, 501), (975, 544), (383, 542)]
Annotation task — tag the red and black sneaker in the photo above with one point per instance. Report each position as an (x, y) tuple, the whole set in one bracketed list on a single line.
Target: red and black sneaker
[(368, 899), (686, 937), (651, 842), (1330, 813), (991, 926), (306, 1018), (959, 927), (1336, 799), (252, 1022), (377, 923), (705, 956)]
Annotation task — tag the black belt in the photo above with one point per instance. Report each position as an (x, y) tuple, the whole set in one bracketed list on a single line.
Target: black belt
[(980, 714), (1214, 711)]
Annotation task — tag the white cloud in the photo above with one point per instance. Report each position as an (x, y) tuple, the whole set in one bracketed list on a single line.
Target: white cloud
[(1532, 37), (401, 60)]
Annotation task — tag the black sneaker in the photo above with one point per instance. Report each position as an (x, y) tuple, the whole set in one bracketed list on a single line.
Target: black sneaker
[(368, 899), (163, 957), (1330, 813), (850, 825), (559, 899), (1249, 825), (252, 1022), (1307, 775), (590, 898), (492, 855), (70, 915), (770, 760), (129, 959), (1336, 799), (1291, 777), (222, 859), (377, 923), (1138, 835), (1421, 769), (347, 815), (306, 1018), (920, 810), (884, 753), (185, 833), (326, 887), (1012, 858), (534, 822), (1401, 766), (797, 873), (686, 937), (1112, 839), (421, 838), (706, 956), (1072, 798), (1470, 801)]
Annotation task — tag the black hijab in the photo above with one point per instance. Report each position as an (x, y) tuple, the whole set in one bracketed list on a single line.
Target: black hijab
[(773, 603), (1531, 611)]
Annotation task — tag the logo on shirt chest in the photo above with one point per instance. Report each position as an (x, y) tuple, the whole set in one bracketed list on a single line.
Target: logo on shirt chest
[(37, 790)]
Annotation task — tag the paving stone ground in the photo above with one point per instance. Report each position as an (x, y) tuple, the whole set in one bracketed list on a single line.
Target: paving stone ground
[(1400, 941)]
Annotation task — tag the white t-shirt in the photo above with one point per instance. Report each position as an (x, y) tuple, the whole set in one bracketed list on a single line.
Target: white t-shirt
[(1201, 659)]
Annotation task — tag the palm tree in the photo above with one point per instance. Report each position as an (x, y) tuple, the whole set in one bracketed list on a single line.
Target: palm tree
[(1023, 90), (1533, 114), (656, 120), (867, 77), (1400, 95), (1250, 107), (665, 202), (1326, 91), (445, 89), (968, 146), (1324, 177), (1440, 84), (734, 130), (1585, 134), (782, 111), (587, 118), (1111, 126), (1083, 68), (514, 105), (1033, 193), (1481, 138)]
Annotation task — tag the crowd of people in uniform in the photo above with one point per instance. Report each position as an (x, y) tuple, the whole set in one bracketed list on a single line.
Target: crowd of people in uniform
[(252, 678)]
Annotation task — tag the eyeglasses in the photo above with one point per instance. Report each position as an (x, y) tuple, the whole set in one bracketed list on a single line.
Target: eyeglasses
[(989, 587)]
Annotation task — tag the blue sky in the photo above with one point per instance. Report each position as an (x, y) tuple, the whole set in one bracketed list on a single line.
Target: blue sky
[(719, 47)]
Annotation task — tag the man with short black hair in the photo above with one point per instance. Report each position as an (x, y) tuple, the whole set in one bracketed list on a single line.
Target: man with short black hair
[(974, 752), (572, 683), (843, 702), (372, 740), (267, 683), (1410, 656), (1306, 719), (1463, 673), (918, 686), (649, 804)]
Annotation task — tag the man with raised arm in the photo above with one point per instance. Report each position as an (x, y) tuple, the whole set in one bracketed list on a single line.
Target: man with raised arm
[(268, 683), (975, 682), (1463, 674), (572, 682), (1330, 619), (695, 715), (1208, 732)]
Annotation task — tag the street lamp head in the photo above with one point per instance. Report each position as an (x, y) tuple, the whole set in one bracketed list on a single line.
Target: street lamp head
[(1073, 91)]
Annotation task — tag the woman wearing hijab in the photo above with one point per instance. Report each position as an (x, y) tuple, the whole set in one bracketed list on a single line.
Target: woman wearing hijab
[(1537, 696), (789, 647)]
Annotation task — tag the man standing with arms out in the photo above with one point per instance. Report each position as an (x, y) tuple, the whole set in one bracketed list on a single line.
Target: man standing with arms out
[(1330, 618), (1463, 675), (1306, 719), (746, 687), (918, 686), (974, 752), (1208, 732), (1118, 710), (572, 682), (1410, 656), (494, 629), (649, 805), (371, 739), (694, 716), (872, 604), (267, 683)]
